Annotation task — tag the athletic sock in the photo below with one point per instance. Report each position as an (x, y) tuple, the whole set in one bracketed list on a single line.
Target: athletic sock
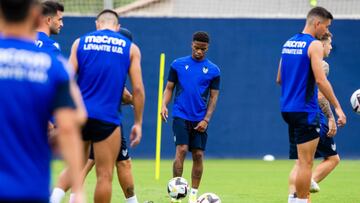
[(301, 200), (193, 195), (72, 197), (292, 198), (132, 199), (57, 195)]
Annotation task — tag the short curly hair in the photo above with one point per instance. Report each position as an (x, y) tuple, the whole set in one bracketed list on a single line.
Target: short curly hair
[(201, 36)]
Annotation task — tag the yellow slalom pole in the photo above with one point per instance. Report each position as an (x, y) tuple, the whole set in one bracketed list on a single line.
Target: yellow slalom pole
[(159, 121)]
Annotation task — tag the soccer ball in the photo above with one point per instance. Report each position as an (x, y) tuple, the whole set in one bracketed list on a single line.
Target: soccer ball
[(208, 198), (177, 188), (355, 101)]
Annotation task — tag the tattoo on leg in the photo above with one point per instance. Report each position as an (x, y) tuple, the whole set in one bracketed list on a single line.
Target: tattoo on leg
[(130, 191)]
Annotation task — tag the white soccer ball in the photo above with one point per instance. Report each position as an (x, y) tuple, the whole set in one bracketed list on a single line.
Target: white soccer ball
[(177, 188), (355, 101), (269, 157), (208, 198)]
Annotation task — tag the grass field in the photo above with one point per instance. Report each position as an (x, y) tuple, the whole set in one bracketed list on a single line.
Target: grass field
[(237, 181)]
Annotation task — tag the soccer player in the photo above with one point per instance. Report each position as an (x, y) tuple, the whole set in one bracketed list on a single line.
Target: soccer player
[(194, 77), (102, 60), (300, 75), (123, 164), (34, 85), (326, 147), (51, 23)]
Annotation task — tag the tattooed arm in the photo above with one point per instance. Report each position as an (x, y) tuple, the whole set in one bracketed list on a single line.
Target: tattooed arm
[(326, 109)]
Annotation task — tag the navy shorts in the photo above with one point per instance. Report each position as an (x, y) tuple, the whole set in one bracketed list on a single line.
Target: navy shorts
[(184, 134), (327, 145), (96, 130), (123, 153), (303, 127)]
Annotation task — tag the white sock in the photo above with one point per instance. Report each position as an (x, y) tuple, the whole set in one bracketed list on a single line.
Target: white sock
[(57, 195), (193, 191), (291, 198), (72, 197), (301, 200), (132, 199)]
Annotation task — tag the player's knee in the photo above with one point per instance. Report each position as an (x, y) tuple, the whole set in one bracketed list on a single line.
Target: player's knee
[(181, 151), (124, 164), (306, 163), (335, 160), (104, 174), (198, 156)]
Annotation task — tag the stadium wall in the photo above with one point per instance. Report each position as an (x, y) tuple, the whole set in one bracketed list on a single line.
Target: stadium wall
[(247, 122)]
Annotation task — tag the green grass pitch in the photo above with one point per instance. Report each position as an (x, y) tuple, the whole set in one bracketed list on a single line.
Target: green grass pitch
[(235, 181)]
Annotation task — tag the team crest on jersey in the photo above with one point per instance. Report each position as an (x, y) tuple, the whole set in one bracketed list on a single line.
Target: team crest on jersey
[(205, 69), (186, 67), (56, 45)]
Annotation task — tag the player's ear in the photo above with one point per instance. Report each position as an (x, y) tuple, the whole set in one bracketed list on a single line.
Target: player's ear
[(97, 24), (117, 28)]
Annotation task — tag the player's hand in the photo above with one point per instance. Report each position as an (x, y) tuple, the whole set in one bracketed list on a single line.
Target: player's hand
[(332, 128), (164, 113), (201, 126), (341, 121), (135, 135)]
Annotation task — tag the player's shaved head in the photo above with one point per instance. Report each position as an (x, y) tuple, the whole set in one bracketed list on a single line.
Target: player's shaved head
[(108, 16), (318, 13)]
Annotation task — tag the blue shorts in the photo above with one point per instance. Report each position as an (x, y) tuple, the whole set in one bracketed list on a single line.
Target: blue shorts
[(184, 134), (326, 146), (96, 130), (303, 127), (123, 153)]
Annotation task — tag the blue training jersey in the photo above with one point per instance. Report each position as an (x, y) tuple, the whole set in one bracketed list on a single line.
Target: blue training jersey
[(193, 80), (103, 64), (47, 44), (299, 90), (33, 84)]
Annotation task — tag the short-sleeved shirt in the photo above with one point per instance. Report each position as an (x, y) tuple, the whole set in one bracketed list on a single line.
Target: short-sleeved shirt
[(103, 64), (33, 85), (193, 80), (299, 90), (47, 44)]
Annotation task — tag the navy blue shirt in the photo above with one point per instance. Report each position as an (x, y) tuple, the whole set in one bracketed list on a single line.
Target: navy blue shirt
[(47, 44), (193, 80), (104, 60), (299, 91), (33, 85)]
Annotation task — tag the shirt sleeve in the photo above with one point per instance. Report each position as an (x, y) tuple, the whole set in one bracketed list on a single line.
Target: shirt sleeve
[(215, 83), (63, 97), (173, 77)]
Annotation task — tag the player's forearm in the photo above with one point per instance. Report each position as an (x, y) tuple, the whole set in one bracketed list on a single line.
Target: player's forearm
[(167, 97), (327, 91), (211, 107), (127, 97), (325, 108), (138, 102)]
